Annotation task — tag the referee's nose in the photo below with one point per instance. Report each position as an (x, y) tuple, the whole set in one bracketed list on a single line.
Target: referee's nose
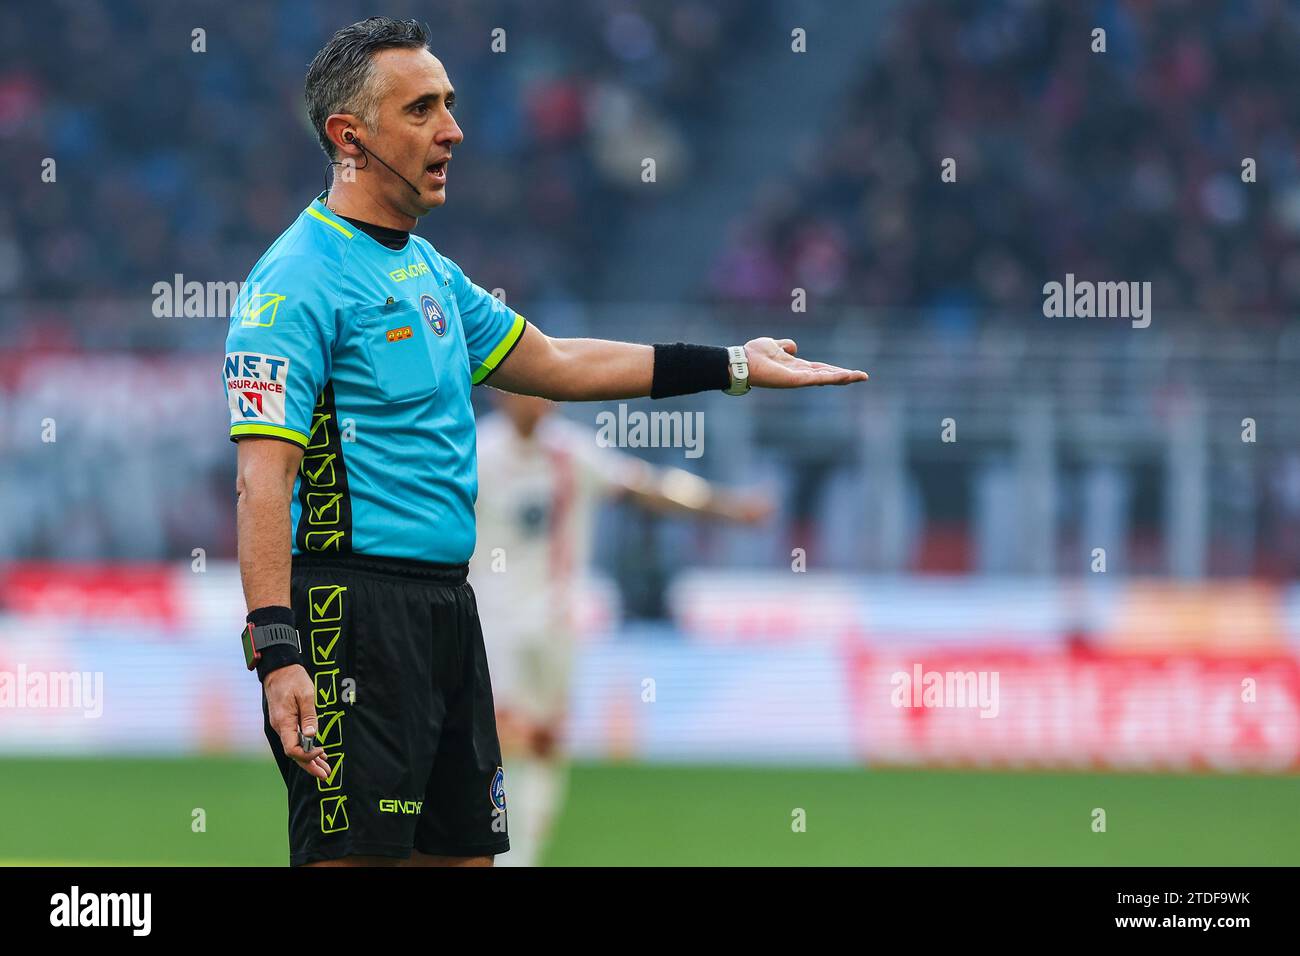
[(450, 134)]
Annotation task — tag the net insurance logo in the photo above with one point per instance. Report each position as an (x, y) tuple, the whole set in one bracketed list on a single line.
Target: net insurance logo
[(255, 386), (433, 315)]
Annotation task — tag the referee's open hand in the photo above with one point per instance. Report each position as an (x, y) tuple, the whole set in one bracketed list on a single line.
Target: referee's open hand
[(291, 704), (772, 364)]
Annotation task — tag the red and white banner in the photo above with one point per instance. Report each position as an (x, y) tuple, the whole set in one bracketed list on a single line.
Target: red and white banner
[(1076, 710)]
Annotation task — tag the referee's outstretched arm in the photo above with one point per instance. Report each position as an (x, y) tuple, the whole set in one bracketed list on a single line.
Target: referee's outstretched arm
[(578, 370)]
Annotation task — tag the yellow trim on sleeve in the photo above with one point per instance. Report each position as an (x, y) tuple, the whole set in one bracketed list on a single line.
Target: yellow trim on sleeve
[(328, 221), (252, 428), (497, 354)]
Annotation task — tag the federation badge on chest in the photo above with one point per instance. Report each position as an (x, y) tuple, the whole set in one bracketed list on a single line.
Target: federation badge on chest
[(433, 315)]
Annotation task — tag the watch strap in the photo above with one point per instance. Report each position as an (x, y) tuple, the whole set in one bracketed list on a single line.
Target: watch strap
[(258, 639), (738, 369)]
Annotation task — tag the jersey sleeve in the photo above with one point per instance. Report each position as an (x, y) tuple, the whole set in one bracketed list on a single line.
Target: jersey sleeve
[(278, 349), (491, 329)]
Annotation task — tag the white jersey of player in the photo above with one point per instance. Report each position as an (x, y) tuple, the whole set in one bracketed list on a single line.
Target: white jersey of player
[(537, 501)]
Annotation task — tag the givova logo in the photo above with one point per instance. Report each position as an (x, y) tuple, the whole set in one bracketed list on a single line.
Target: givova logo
[(410, 807), (409, 272), (255, 387), (103, 909)]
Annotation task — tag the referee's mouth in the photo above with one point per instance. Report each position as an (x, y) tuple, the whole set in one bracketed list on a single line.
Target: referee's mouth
[(438, 171)]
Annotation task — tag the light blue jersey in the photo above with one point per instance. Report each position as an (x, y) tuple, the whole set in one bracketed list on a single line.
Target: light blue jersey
[(364, 356)]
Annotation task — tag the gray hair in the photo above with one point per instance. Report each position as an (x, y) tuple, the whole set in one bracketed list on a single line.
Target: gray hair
[(339, 79)]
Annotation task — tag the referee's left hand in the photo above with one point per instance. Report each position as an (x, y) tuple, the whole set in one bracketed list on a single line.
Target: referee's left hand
[(291, 707), (772, 364)]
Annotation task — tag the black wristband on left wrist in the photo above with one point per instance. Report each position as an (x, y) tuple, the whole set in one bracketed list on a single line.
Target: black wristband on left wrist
[(682, 369)]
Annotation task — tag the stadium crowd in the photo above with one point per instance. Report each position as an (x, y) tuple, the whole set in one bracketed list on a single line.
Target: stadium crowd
[(173, 160), (1123, 165)]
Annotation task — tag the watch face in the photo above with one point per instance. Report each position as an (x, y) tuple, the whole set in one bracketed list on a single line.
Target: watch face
[(250, 653)]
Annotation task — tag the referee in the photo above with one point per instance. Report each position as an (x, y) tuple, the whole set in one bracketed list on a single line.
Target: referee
[(348, 368)]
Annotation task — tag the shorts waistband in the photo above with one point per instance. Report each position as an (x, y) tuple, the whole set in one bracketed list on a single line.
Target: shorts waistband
[(449, 574)]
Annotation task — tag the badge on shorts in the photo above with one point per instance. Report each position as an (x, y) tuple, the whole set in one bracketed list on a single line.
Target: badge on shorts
[(433, 315), (498, 790)]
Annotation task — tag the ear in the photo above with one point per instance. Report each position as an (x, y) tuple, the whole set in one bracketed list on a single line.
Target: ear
[(339, 128)]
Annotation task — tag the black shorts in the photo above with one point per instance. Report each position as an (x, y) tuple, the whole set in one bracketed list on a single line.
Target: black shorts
[(404, 710)]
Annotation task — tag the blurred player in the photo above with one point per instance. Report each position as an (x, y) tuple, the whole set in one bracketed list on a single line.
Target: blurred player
[(541, 478)]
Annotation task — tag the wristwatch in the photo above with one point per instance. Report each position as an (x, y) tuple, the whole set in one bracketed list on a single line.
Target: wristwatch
[(738, 369), (259, 637)]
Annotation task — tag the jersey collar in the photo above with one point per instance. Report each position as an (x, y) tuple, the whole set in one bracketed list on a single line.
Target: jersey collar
[(320, 212)]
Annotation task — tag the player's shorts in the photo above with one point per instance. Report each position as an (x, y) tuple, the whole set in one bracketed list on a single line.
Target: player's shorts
[(404, 710)]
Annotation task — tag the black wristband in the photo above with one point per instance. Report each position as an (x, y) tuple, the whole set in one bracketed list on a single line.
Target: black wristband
[(682, 369), (271, 614), (275, 657), (278, 655)]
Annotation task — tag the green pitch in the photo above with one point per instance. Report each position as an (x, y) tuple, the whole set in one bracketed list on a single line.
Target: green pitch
[(131, 812)]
